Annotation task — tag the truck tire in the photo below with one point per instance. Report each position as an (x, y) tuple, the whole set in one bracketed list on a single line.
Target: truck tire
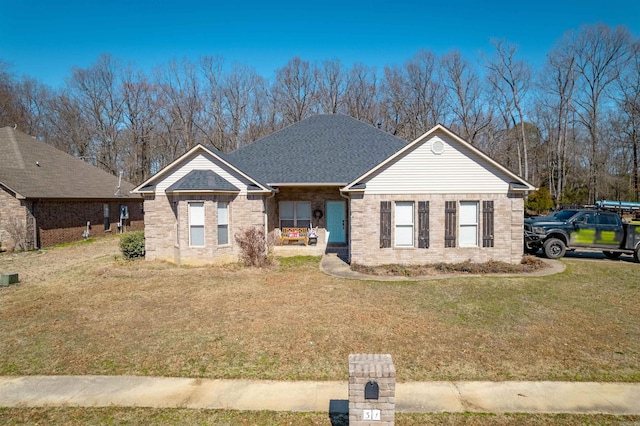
[(636, 254), (554, 248), (611, 254)]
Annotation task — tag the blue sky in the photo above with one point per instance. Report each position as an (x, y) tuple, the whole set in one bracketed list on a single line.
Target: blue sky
[(45, 39)]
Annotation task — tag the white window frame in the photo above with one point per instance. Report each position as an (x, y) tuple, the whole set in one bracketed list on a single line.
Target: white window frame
[(468, 223), (223, 221), (196, 221), (296, 211), (404, 223)]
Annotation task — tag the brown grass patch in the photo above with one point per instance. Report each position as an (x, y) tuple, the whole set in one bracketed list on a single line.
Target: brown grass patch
[(83, 310)]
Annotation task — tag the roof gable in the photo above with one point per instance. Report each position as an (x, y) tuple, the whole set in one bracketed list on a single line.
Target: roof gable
[(33, 169), (200, 158), (322, 149), (439, 162)]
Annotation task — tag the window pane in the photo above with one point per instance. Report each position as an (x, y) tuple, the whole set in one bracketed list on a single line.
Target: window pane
[(223, 234), (223, 213), (196, 214), (468, 212), (286, 224), (404, 236), (196, 234), (404, 213), (468, 236), (303, 224), (286, 210), (303, 211)]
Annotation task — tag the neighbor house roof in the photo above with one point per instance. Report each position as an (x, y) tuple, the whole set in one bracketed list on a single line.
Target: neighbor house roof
[(202, 180), (322, 149), (32, 169)]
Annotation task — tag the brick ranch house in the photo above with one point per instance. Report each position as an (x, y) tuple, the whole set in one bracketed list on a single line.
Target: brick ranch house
[(47, 197), (435, 199)]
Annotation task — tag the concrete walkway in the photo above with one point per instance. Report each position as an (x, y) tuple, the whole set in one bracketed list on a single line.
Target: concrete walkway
[(414, 397)]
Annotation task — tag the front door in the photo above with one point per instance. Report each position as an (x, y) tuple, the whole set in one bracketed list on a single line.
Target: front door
[(336, 226)]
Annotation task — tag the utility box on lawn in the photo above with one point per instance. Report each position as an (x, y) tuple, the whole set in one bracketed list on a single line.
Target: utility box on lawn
[(372, 390), (9, 278)]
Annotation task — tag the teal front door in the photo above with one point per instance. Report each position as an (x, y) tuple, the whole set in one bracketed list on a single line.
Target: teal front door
[(336, 226)]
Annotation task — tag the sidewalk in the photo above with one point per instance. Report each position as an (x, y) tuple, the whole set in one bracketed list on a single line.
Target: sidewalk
[(413, 397)]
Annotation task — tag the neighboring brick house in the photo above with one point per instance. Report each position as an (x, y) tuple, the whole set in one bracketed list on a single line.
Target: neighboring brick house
[(385, 201), (48, 197)]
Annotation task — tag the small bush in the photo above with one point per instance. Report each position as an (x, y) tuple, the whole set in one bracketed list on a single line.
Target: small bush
[(132, 244), (254, 250)]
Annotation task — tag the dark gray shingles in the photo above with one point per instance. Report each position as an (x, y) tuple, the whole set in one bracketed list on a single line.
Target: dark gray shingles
[(202, 180), (332, 149)]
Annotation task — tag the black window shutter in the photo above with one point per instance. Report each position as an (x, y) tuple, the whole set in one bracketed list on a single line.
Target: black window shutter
[(487, 224), (450, 209), (385, 224), (423, 224)]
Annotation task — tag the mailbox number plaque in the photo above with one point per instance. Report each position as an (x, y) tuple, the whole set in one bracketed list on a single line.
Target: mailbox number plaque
[(370, 414)]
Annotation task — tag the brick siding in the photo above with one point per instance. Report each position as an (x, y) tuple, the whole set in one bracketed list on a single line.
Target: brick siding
[(168, 238), (62, 221), (365, 232)]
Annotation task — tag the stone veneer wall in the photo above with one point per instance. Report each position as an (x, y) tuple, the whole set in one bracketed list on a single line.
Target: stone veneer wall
[(365, 232), (167, 231)]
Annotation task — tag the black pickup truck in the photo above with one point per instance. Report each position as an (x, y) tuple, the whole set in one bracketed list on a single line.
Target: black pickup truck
[(581, 229)]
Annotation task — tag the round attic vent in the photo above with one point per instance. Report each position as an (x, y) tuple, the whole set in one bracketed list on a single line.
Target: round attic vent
[(437, 147)]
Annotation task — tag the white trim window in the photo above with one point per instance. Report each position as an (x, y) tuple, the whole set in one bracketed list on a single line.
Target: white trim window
[(223, 223), (295, 214), (404, 223), (468, 224), (196, 224)]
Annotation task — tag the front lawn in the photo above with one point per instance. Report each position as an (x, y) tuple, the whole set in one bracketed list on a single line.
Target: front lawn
[(81, 309)]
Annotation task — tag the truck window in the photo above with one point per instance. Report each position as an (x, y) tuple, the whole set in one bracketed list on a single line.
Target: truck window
[(607, 219)]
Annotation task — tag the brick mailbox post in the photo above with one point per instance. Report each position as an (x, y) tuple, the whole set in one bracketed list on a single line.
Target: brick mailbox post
[(372, 390)]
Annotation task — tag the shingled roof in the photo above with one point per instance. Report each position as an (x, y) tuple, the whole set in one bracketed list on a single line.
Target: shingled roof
[(33, 169), (202, 180), (322, 149)]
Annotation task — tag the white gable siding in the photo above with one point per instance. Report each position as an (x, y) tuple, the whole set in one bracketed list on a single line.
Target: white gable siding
[(454, 171), (201, 161)]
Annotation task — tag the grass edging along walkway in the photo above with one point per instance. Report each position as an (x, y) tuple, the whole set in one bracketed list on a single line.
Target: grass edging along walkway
[(83, 310)]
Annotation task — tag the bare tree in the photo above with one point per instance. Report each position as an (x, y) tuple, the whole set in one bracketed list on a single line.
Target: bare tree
[(295, 89), (181, 104), (139, 118), (600, 55), (240, 88), (629, 105), (95, 89), (464, 95), (510, 80), (332, 85), (361, 95), (557, 84)]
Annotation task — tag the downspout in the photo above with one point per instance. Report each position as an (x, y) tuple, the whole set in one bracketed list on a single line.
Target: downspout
[(348, 198)]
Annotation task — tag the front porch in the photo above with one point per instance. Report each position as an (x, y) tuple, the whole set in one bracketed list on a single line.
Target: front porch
[(319, 249)]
